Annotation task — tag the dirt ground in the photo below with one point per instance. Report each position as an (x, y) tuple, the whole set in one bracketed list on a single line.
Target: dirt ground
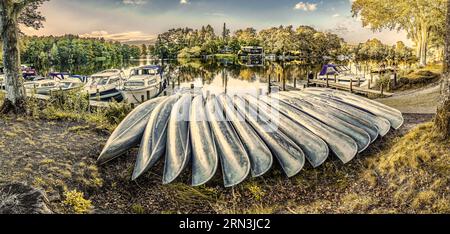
[(423, 100), (60, 156)]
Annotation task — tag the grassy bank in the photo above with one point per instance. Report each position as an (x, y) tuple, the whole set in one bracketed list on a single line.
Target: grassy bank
[(421, 77), (55, 149)]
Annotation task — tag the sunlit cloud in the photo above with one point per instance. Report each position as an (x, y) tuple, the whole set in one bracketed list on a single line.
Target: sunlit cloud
[(123, 37), (134, 2), (305, 6), (184, 2)]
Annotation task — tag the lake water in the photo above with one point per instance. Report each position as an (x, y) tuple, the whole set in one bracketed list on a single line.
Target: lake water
[(228, 75), (219, 75)]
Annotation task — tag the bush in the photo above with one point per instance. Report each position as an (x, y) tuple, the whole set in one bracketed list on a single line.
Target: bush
[(75, 106), (76, 202)]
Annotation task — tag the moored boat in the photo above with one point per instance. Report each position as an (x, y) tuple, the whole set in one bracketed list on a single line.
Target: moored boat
[(105, 85), (144, 83), (341, 73)]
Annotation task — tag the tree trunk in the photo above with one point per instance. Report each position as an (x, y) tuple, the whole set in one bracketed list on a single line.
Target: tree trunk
[(442, 120), (15, 98), (424, 45)]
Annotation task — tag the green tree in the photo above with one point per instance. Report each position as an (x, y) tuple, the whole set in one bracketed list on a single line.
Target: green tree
[(13, 13), (144, 50), (422, 19)]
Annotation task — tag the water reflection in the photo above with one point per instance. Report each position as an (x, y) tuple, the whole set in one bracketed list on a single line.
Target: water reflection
[(218, 75)]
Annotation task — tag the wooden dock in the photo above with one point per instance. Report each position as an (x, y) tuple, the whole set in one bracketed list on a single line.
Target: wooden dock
[(350, 87)]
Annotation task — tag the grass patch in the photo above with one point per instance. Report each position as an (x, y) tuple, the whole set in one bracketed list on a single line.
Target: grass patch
[(419, 78), (74, 106), (416, 171), (76, 203)]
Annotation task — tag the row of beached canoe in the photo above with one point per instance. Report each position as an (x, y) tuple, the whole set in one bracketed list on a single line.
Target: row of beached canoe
[(244, 134)]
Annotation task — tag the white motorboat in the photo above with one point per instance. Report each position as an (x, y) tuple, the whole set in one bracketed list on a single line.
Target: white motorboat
[(145, 83), (341, 73), (105, 85)]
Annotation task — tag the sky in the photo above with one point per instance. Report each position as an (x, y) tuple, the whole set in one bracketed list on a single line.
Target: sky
[(143, 20)]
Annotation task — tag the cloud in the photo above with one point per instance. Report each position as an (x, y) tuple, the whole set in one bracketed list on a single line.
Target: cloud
[(134, 2), (305, 6), (336, 15), (184, 2), (121, 37)]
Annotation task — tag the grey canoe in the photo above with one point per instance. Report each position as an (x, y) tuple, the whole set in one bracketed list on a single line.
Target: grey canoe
[(366, 100), (129, 132), (361, 137), (153, 143), (382, 124), (289, 155), (205, 158), (367, 126), (343, 146), (178, 149), (314, 148), (260, 156), (394, 118), (234, 158)]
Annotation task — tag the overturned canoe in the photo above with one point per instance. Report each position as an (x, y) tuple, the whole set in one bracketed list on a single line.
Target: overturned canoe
[(245, 132), (395, 118), (361, 137), (178, 141), (289, 155), (205, 158), (343, 146), (129, 132), (153, 143), (361, 99), (234, 158), (381, 123), (367, 126), (260, 156), (314, 148)]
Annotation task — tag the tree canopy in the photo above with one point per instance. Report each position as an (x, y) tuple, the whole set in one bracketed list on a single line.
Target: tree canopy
[(423, 20)]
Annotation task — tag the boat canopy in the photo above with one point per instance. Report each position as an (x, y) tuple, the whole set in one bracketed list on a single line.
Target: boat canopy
[(145, 70), (329, 69)]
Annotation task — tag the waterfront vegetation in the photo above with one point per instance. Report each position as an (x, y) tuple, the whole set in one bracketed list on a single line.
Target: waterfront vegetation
[(406, 172), (72, 53), (53, 145)]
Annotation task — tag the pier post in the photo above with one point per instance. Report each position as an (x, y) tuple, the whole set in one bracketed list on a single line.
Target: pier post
[(269, 89), (142, 98), (359, 81), (132, 105), (395, 78), (307, 80), (335, 78), (148, 94), (328, 84), (382, 90), (351, 85), (97, 94), (295, 82), (88, 101), (61, 93)]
